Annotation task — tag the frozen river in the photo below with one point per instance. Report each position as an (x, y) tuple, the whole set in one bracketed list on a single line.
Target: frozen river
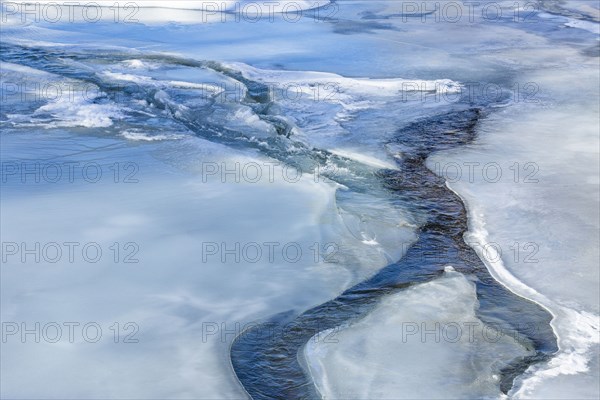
[(300, 199)]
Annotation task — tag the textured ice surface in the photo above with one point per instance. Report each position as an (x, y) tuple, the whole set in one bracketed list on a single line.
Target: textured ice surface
[(549, 210), (422, 343), (171, 293)]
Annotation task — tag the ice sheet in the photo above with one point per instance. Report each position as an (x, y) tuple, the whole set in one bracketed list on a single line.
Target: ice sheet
[(422, 343), (554, 213)]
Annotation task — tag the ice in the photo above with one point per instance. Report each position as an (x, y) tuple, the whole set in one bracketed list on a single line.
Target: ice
[(364, 158), (64, 102), (556, 212), (416, 344), (585, 25), (374, 57), (306, 80), (171, 294), (171, 209), (137, 136), (23, 71), (79, 111)]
